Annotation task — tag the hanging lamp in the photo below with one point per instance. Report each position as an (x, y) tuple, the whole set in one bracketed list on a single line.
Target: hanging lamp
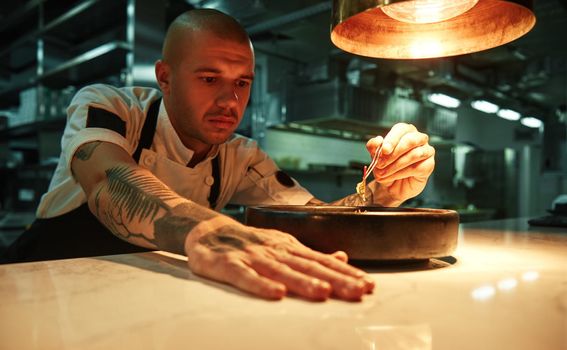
[(407, 29)]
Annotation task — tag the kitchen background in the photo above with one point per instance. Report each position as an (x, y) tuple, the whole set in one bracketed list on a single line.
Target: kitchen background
[(313, 106)]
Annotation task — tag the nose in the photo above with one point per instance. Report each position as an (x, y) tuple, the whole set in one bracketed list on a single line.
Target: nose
[(228, 97)]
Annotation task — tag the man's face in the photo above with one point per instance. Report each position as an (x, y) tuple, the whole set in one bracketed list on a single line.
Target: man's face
[(208, 89)]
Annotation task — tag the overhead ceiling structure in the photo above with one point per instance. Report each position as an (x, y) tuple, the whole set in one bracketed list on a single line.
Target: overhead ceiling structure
[(530, 72)]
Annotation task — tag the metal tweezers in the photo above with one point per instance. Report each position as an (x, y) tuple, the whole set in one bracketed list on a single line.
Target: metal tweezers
[(361, 186)]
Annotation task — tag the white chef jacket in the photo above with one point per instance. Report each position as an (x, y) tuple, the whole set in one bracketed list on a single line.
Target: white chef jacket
[(248, 175)]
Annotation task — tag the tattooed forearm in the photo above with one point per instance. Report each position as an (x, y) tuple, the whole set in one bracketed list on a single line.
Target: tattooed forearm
[(229, 238), (133, 206), (86, 151), (170, 231), (140, 196), (115, 224)]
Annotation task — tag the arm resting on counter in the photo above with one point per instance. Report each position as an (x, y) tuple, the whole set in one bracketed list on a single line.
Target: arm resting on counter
[(137, 207), (131, 202)]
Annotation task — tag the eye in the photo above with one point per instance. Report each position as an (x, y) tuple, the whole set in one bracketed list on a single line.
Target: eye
[(243, 83), (209, 80)]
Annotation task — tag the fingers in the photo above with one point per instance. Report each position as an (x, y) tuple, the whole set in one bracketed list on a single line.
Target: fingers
[(341, 256), (374, 144), (343, 287), (306, 285), (313, 275), (398, 143), (338, 266), (401, 139), (419, 162), (392, 139), (271, 275), (414, 167), (234, 271), (269, 263), (404, 148)]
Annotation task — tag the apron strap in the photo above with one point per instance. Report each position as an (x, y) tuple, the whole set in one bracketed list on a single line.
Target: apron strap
[(215, 188), (148, 130)]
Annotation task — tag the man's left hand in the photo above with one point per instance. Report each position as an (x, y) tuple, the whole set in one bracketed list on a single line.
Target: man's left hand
[(405, 163)]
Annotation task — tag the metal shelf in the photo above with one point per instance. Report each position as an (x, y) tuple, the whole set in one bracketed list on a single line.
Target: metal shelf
[(70, 13), (30, 129), (68, 25), (85, 20), (92, 65), (18, 16), (100, 62), (72, 25)]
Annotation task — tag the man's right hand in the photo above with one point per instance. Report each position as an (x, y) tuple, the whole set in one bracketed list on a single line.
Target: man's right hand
[(270, 263)]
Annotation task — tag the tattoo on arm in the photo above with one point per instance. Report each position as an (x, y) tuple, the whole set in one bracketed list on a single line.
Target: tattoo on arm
[(86, 151), (171, 230), (133, 198), (229, 238)]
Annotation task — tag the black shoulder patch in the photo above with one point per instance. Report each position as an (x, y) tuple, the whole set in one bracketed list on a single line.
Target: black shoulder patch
[(284, 179), (101, 118)]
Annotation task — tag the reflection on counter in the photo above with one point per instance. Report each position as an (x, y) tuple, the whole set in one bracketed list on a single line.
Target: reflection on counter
[(488, 291), (401, 337)]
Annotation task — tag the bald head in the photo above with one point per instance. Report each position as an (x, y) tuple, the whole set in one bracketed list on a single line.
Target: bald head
[(181, 31)]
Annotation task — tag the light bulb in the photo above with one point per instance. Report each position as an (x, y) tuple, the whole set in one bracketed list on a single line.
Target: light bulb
[(531, 122), (427, 11)]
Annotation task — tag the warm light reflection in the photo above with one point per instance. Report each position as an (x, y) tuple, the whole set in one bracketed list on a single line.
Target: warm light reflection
[(427, 11), (507, 284), (425, 48), (486, 292), (530, 276), (412, 336), (483, 293)]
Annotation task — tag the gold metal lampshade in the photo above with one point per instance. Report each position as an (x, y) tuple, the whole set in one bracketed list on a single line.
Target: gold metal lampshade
[(363, 27)]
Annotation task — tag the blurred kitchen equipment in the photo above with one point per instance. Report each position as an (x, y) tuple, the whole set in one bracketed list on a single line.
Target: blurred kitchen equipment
[(427, 28), (365, 233), (558, 211)]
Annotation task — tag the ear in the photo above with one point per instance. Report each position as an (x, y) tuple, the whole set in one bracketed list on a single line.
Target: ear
[(162, 76)]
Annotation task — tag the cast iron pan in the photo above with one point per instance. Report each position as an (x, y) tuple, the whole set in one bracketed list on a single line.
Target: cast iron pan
[(365, 233)]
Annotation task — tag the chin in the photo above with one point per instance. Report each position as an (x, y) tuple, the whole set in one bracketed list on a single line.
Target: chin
[(218, 138)]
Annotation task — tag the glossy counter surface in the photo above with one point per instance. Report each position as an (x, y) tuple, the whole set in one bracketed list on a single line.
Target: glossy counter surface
[(506, 290)]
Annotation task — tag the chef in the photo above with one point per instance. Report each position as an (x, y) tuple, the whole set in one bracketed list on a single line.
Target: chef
[(143, 169)]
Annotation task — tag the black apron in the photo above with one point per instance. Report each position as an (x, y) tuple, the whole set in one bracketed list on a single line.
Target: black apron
[(78, 233)]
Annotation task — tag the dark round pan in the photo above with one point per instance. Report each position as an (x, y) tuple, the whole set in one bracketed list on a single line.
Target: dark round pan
[(364, 233)]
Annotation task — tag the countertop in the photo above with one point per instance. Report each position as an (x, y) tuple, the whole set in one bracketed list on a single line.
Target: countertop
[(504, 288)]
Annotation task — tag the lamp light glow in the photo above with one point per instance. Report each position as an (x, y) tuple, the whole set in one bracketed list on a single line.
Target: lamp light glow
[(508, 114), (444, 100), (484, 106), (427, 11), (531, 122), (428, 47), (385, 28)]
